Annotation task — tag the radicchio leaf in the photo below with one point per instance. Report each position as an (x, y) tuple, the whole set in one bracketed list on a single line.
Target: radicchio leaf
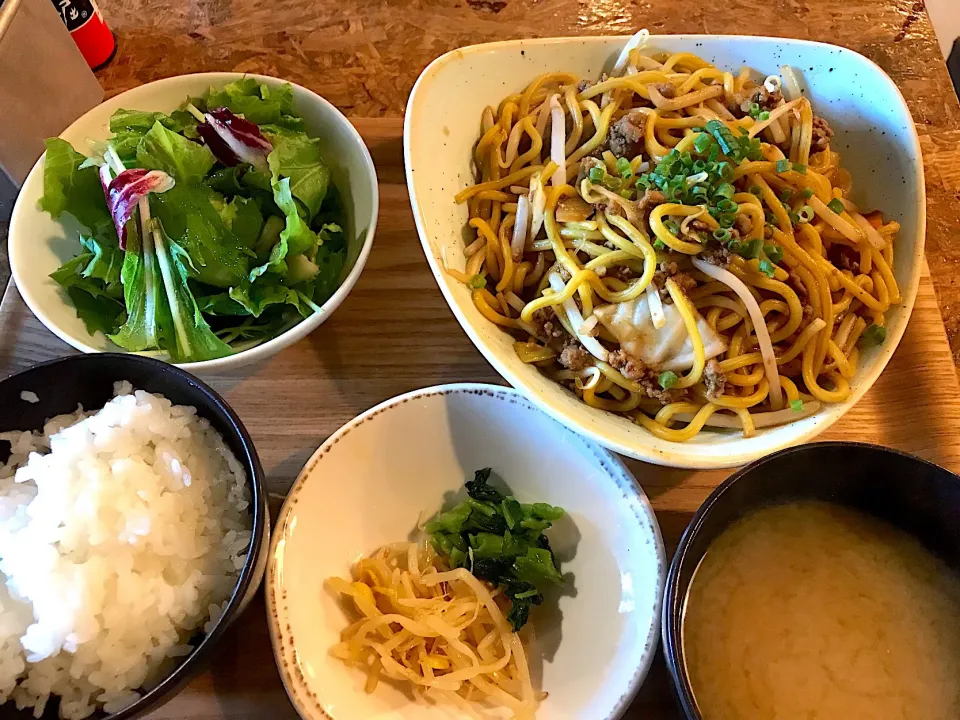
[(234, 140), (125, 190)]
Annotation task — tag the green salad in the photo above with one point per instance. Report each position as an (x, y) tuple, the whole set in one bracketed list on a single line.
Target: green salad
[(204, 231), (501, 541)]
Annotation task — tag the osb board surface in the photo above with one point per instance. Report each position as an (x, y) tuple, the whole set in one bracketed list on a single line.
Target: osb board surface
[(394, 333)]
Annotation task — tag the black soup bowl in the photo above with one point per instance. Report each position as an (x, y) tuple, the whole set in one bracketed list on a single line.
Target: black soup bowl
[(87, 380), (916, 496)]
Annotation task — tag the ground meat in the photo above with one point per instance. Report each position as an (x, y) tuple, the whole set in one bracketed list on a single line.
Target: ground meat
[(548, 327), (844, 257), (584, 85), (621, 273), (585, 165), (743, 225), (649, 200), (668, 90), (794, 281), (671, 270), (649, 379), (717, 255), (626, 135), (714, 379), (574, 357), (808, 312), (822, 133), (698, 230), (764, 98)]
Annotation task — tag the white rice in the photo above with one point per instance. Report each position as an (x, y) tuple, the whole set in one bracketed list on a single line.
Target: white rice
[(122, 534)]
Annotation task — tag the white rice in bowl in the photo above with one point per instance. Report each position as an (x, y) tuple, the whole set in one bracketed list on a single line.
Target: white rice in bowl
[(122, 534)]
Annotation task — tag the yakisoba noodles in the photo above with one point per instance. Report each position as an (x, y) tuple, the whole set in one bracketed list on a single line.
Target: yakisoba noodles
[(675, 243), (440, 630)]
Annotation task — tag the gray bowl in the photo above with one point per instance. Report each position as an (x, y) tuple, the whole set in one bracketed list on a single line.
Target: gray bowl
[(88, 380)]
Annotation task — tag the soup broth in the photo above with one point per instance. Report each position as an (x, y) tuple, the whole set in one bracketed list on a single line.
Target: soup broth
[(814, 611)]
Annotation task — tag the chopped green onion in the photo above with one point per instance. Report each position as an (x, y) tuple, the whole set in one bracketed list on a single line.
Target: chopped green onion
[(623, 167), (751, 249), (724, 190), (658, 244), (796, 405), (699, 166), (873, 335), (768, 231), (628, 194), (763, 116), (668, 379), (755, 190), (725, 139), (836, 206), (478, 282), (754, 109), (727, 220), (721, 234), (783, 165), (774, 252), (767, 268), (800, 168), (672, 226), (794, 218), (644, 182), (743, 130), (612, 183), (805, 214), (596, 174), (786, 195), (725, 170), (702, 142), (726, 205), (806, 193)]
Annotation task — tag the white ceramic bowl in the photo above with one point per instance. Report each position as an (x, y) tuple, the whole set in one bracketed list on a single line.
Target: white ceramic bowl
[(38, 244), (875, 136), (368, 485)]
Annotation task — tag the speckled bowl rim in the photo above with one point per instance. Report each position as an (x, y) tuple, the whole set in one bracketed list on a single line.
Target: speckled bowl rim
[(306, 702), (288, 337), (724, 454)]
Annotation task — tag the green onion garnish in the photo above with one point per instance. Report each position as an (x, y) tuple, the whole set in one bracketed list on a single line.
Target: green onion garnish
[(796, 405), (767, 268), (755, 190), (805, 214), (800, 168), (764, 116), (725, 191), (752, 249), (596, 174), (836, 206), (754, 109), (702, 143), (721, 234), (873, 335), (806, 193), (727, 206), (478, 282), (658, 244), (786, 195), (623, 167), (672, 226), (783, 165), (668, 379), (794, 218)]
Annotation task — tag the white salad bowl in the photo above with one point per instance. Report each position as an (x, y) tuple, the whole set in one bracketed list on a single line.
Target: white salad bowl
[(874, 134), (374, 479), (38, 244)]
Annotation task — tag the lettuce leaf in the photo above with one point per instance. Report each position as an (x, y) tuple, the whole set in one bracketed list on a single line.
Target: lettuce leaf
[(297, 157), (191, 220), (257, 103), (106, 257), (68, 188), (98, 304), (143, 297), (190, 337), (162, 149)]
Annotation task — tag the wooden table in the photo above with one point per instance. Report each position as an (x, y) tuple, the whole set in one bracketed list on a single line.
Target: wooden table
[(394, 333)]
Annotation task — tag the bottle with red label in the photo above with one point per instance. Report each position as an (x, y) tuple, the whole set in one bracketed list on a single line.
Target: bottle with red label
[(88, 29)]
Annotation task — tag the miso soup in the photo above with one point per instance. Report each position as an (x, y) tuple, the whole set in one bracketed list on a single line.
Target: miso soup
[(814, 611)]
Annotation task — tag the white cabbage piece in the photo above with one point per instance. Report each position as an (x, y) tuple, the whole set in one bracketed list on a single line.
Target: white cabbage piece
[(667, 348)]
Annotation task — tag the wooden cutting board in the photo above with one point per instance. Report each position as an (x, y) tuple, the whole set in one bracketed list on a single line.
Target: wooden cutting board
[(394, 333)]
